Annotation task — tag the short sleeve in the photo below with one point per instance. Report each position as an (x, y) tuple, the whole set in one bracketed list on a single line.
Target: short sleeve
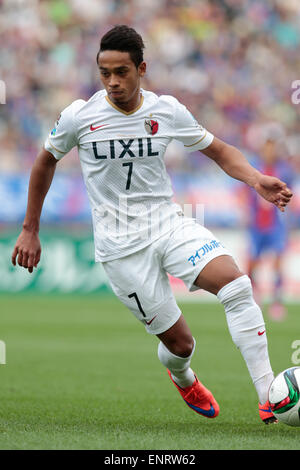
[(63, 136), (189, 131)]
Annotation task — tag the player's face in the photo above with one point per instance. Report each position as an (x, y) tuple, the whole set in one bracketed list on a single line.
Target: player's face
[(121, 78)]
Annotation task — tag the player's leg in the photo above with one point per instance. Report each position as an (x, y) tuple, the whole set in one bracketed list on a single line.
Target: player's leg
[(218, 273), (175, 352), (245, 321), (177, 344), (178, 339), (201, 261), (143, 287), (147, 293)]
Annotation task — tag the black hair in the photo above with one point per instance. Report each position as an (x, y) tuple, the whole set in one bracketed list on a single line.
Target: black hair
[(124, 39)]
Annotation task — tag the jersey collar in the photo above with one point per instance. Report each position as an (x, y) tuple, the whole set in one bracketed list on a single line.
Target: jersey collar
[(122, 110)]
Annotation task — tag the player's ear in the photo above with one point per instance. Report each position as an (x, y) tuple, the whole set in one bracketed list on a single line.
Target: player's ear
[(142, 69)]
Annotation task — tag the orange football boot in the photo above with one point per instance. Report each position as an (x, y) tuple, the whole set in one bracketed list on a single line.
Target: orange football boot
[(266, 414), (199, 398)]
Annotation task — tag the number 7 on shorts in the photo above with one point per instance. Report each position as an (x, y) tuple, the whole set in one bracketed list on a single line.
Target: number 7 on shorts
[(134, 294)]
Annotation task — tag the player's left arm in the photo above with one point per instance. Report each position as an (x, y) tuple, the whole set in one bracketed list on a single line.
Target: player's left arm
[(236, 165)]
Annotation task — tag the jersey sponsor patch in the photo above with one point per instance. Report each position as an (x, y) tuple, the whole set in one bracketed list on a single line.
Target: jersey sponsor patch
[(121, 148)]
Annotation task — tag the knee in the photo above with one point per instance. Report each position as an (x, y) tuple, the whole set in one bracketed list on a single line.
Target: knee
[(230, 277), (178, 339), (182, 347), (237, 291)]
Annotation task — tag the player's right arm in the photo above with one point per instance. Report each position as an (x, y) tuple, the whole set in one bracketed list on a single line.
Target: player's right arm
[(229, 158), (235, 164), (27, 250), (61, 140)]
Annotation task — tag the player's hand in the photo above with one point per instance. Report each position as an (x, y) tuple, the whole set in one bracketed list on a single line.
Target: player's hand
[(27, 250), (273, 190)]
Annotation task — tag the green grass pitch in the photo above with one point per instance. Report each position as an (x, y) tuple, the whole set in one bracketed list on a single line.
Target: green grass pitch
[(82, 373)]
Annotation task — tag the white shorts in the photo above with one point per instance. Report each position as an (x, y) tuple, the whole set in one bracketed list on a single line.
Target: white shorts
[(141, 281)]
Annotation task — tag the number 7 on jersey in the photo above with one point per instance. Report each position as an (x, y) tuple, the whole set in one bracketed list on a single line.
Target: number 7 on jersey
[(130, 165)]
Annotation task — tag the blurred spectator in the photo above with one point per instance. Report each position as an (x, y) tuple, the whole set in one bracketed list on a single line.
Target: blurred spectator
[(268, 228)]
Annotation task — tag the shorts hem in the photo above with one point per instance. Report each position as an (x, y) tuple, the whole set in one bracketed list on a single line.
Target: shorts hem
[(164, 328)]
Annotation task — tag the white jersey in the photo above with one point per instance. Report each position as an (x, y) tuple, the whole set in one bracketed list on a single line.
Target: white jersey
[(122, 160)]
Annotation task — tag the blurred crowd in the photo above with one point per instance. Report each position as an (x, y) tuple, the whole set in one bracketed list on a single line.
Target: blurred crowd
[(232, 62)]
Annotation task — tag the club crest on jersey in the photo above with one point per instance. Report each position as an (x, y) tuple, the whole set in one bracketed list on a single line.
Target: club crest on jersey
[(151, 126)]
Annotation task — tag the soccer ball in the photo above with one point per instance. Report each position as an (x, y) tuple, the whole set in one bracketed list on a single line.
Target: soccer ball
[(284, 396)]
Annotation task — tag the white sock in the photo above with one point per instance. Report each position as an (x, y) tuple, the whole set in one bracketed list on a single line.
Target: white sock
[(246, 325), (179, 367)]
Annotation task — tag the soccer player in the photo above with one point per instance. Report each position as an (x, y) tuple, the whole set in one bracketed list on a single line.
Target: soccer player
[(140, 235), (268, 231)]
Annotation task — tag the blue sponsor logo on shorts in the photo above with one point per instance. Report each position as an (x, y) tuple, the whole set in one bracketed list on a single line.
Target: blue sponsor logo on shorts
[(203, 251)]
